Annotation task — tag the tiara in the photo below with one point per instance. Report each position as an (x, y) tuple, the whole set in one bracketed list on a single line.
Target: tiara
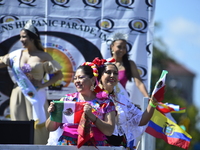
[(29, 26), (119, 36)]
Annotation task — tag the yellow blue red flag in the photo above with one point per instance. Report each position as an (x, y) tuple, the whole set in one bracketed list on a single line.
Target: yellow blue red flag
[(163, 128)]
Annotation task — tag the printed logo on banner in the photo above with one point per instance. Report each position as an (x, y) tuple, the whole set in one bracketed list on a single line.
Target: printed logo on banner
[(138, 25), (27, 2), (65, 59), (2, 2), (148, 49), (105, 24), (125, 3), (61, 3), (149, 3), (143, 72), (78, 20), (92, 3), (5, 19)]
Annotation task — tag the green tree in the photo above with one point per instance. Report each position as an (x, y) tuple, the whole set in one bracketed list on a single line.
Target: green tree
[(172, 95)]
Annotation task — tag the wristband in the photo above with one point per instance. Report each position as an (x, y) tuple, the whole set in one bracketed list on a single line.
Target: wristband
[(152, 105)]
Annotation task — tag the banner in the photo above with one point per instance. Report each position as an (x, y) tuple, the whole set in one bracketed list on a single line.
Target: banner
[(75, 31)]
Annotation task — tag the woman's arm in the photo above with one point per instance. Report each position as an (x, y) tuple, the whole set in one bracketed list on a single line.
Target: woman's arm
[(2, 64), (51, 125), (148, 113), (57, 76), (137, 79), (107, 125)]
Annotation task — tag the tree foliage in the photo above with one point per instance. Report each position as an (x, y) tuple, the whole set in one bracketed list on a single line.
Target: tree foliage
[(189, 118)]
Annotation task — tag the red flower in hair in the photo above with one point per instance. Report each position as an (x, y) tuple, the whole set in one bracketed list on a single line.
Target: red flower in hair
[(99, 62)]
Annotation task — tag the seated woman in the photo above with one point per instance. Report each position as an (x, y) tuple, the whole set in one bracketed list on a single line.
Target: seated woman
[(101, 113), (130, 121)]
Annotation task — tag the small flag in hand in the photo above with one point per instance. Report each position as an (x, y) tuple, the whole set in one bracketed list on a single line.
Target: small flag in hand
[(67, 112), (159, 89)]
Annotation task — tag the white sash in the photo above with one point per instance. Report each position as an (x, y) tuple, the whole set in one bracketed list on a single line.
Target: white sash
[(37, 100)]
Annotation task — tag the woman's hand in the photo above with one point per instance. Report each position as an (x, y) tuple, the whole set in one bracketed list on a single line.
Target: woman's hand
[(51, 107), (87, 109), (154, 101)]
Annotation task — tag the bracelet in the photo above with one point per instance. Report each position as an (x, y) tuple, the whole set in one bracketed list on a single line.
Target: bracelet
[(95, 119), (152, 105)]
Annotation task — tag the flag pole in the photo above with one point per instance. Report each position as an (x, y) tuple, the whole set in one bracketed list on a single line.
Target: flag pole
[(147, 141)]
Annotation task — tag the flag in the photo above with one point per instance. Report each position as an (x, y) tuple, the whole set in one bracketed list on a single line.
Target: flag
[(169, 108), (163, 128), (158, 92), (67, 111)]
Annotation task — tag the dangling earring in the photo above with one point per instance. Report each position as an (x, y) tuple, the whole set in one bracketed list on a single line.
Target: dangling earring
[(92, 88), (113, 52), (117, 88)]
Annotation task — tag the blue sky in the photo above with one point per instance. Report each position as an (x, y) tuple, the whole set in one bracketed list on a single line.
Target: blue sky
[(180, 31)]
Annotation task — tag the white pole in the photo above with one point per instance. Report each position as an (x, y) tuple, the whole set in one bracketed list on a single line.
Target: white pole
[(147, 141)]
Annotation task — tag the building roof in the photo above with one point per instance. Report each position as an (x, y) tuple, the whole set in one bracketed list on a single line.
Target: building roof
[(178, 69)]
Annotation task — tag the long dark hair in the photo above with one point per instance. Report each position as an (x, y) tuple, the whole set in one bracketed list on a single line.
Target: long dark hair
[(125, 61), (36, 38)]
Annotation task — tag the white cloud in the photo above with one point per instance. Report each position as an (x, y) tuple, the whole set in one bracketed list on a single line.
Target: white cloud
[(182, 26), (186, 30)]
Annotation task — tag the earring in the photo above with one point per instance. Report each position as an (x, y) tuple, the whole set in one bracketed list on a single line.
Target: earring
[(117, 88), (92, 88), (113, 52)]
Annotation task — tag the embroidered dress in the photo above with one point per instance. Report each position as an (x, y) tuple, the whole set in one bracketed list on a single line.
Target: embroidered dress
[(128, 117), (100, 108)]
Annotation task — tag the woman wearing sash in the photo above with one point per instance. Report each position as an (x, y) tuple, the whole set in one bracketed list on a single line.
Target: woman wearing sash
[(28, 66), (100, 114)]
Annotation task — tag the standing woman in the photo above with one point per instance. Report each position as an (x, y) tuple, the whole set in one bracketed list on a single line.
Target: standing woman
[(28, 66), (127, 68), (101, 113)]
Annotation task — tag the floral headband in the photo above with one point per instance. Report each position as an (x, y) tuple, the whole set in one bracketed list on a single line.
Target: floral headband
[(102, 62), (93, 66), (101, 93)]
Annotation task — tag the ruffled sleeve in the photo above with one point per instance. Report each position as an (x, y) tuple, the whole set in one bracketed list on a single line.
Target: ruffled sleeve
[(108, 106), (129, 116), (51, 66), (5, 59)]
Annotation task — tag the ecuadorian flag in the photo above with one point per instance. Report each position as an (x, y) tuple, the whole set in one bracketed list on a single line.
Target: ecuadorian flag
[(163, 128), (67, 112)]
